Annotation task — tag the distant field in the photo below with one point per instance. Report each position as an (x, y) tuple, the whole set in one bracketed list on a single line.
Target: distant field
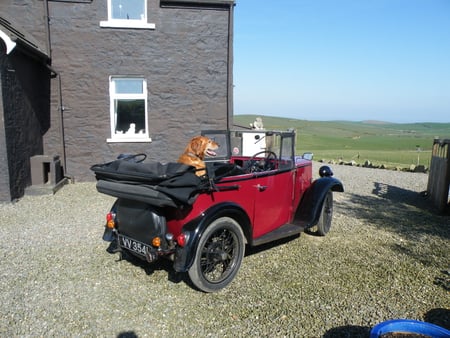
[(392, 144)]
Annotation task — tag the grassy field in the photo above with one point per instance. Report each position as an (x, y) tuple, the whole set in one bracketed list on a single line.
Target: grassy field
[(392, 144)]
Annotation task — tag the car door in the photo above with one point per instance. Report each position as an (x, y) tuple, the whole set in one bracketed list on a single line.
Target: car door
[(273, 201)]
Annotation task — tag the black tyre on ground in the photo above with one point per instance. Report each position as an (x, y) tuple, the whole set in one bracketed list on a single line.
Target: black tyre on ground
[(326, 214), (218, 256)]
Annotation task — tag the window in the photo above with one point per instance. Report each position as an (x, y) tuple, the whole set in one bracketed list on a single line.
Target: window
[(287, 152), (127, 14), (128, 109)]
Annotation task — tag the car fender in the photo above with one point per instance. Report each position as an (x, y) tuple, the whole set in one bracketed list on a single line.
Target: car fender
[(184, 256), (309, 209)]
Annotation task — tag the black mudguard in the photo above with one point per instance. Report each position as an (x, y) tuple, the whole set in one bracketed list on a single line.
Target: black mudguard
[(109, 235), (184, 256), (309, 208)]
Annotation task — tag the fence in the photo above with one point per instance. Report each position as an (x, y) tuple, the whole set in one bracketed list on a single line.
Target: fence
[(439, 176)]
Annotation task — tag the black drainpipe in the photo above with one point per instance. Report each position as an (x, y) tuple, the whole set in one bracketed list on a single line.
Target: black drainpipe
[(55, 74), (47, 30), (230, 85)]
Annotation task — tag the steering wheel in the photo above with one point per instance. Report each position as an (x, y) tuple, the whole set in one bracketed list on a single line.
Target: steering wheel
[(254, 165)]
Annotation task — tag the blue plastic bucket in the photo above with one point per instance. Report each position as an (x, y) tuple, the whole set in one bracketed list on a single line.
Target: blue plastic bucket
[(409, 326)]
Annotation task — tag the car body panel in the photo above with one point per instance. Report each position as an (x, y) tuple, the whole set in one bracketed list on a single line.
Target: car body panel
[(271, 194)]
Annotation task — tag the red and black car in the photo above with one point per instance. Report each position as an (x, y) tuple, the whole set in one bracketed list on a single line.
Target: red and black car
[(256, 191)]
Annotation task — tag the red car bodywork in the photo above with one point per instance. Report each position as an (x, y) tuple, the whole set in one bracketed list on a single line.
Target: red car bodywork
[(269, 198), (256, 191)]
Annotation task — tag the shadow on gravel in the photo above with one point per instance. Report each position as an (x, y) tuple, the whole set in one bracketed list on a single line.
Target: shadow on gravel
[(159, 265), (399, 210), (249, 250), (127, 334), (349, 331), (177, 277), (400, 195), (443, 281), (440, 317)]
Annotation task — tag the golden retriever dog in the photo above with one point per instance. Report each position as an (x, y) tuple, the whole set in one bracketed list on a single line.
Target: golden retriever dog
[(196, 150)]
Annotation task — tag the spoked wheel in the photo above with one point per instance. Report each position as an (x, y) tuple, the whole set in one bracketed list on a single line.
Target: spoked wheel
[(323, 226), (218, 256)]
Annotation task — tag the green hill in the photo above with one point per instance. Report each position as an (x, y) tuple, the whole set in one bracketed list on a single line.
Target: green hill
[(392, 144)]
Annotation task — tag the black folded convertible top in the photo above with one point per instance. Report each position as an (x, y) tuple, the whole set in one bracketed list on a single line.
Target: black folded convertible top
[(171, 184)]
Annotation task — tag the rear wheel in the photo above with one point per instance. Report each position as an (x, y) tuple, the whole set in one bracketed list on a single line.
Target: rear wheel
[(324, 224), (218, 256)]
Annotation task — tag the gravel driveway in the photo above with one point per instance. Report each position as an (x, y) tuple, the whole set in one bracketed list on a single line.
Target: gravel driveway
[(387, 256)]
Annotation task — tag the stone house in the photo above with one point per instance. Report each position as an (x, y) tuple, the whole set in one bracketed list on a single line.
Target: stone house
[(99, 78)]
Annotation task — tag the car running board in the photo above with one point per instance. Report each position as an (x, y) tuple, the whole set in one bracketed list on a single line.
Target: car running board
[(286, 230)]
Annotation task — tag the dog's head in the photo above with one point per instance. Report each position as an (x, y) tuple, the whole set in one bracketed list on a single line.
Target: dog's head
[(202, 146)]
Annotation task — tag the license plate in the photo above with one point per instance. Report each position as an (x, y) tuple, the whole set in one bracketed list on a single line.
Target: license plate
[(133, 245)]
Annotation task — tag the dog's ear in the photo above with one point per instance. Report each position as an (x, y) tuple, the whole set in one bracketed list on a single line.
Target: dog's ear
[(197, 144)]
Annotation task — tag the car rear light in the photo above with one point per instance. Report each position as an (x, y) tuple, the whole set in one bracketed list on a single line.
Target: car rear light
[(156, 242), (181, 239), (111, 220)]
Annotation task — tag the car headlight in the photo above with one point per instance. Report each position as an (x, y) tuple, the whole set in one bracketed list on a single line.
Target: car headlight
[(325, 171)]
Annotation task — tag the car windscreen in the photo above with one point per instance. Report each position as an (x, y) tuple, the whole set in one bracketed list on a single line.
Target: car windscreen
[(222, 139)]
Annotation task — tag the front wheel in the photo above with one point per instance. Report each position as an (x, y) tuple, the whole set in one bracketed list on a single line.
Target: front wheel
[(218, 256), (326, 214)]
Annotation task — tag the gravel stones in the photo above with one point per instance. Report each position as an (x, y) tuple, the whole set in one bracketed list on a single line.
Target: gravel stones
[(385, 257)]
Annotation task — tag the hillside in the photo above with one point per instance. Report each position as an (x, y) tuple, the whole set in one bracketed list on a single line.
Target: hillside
[(393, 144)]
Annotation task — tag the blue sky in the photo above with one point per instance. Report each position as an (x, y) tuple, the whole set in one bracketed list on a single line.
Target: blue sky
[(355, 60)]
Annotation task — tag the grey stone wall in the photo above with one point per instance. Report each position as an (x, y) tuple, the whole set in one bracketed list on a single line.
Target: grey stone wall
[(5, 193), (25, 97), (184, 60)]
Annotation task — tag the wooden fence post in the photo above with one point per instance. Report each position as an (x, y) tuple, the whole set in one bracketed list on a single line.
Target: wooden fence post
[(439, 176)]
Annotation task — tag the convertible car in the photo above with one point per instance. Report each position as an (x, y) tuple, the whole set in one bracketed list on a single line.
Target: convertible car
[(255, 191)]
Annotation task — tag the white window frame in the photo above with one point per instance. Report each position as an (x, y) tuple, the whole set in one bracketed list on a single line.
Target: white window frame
[(113, 95), (124, 23)]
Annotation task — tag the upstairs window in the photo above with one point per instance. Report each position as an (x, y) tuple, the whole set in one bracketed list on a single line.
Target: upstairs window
[(128, 109), (127, 14), (128, 10)]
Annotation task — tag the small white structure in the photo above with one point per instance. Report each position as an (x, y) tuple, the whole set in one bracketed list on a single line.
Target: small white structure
[(258, 124), (253, 143)]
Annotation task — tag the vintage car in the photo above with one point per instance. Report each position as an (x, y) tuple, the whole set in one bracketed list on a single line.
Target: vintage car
[(256, 191)]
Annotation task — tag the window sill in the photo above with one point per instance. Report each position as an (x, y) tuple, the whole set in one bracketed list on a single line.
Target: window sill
[(136, 24), (129, 140)]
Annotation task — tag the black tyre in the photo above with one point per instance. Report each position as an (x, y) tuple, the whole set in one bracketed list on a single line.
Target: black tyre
[(218, 256), (323, 226)]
